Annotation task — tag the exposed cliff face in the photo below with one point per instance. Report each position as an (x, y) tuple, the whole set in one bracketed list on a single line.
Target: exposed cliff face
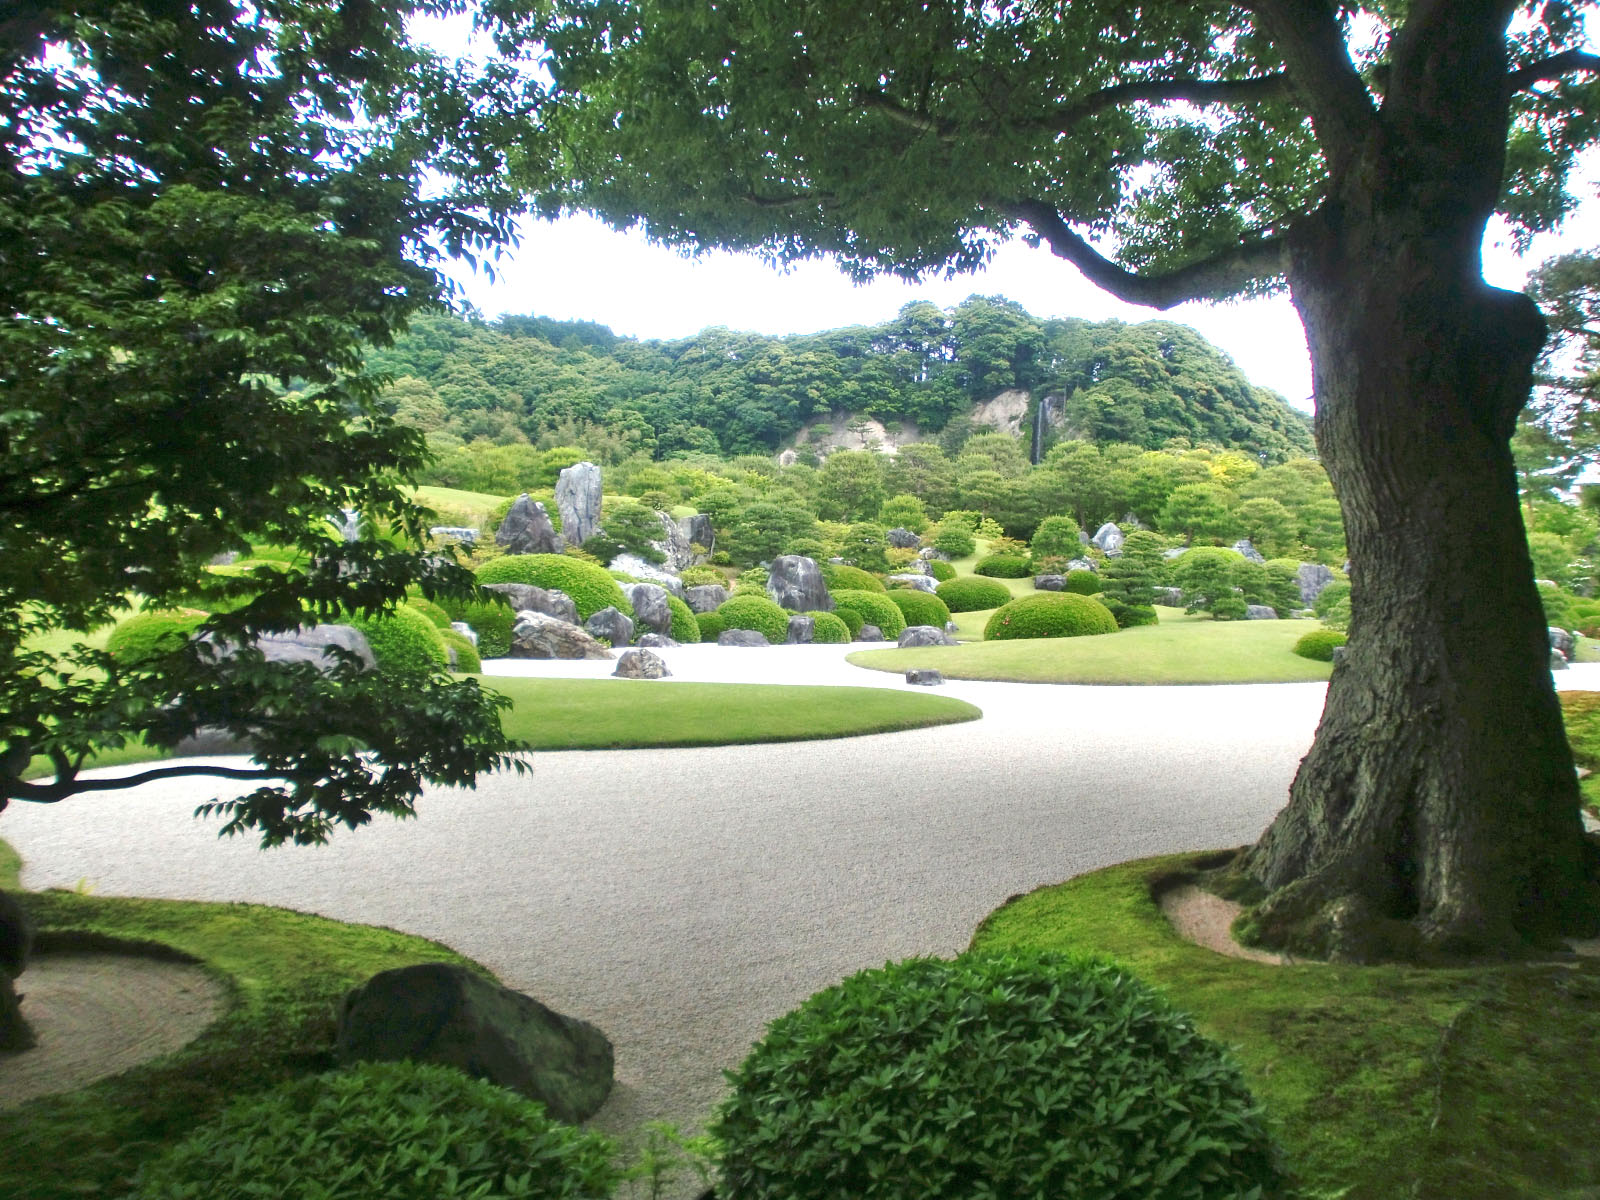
[(1011, 411), (852, 431)]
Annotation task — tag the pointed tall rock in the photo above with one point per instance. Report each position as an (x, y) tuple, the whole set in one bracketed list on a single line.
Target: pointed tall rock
[(578, 502)]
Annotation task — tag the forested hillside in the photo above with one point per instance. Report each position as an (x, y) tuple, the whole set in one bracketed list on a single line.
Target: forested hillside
[(538, 380)]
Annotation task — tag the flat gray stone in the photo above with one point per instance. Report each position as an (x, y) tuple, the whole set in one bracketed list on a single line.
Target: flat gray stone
[(925, 635), (924, 677), (524, 597), (539, 635), (742, 637)]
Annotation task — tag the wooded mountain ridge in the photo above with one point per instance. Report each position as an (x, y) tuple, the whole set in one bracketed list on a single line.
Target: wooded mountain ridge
[(928, 373)]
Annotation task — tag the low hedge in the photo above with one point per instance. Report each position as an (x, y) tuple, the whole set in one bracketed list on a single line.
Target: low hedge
[(999, 1075), (1049, 614), (920, 608), (400, 1130), (402, 640), (1319, 644), (842, 576), (750, 611), (591, 587), (1003, 566), (874, 608), (685, 628), (155, 632), (1083, 583), (968, 593), (830, 628)]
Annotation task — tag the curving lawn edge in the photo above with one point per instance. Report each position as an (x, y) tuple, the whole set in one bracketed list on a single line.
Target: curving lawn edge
[(1472, 1084)]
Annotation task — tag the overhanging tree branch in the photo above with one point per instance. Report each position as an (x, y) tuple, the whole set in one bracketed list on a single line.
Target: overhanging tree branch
[(1554, 67), (61, 789), (1307, 34), (1219, 275)]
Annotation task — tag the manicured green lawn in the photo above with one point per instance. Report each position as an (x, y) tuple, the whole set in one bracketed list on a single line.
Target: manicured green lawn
[(1382, 1082), (598, 714), (454, 504), (1181, 649)]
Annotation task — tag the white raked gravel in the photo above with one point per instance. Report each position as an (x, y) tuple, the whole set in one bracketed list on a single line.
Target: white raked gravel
[(680, 899)]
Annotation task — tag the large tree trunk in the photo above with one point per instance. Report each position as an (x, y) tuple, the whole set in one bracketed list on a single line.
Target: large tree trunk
[(1437, 813)]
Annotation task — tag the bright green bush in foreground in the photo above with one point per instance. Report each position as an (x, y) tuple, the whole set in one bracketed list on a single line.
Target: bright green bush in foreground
[(591, 587), (1049, 614), (155, 632), (402, 640), (874, 608), (990, 1075), (1319, 644), (751, 611), (830, 628), (971, 594), (685, 628), (394, 1130), (920, 608)]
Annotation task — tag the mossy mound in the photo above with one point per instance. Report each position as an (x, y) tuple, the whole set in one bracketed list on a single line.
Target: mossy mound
[(829, 629), (402, 640), (1003, 566), (750, 611), (1319, 644), (920, 608), (843, 577), (591, 587), (685, 625), (155, 632), (969, 593), (1049, 614), (874, 608)]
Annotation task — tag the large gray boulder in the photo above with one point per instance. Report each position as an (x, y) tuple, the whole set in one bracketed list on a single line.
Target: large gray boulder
[(1260, 612), (578, 502), (802, 631), (1049, 583), (1108, 537), (524, 597), (742, 637), (795, 582), (870, 633), (1245, 547), (673, 543), (632, 564), (443, 1013), (920, 583), (654, 641), (641, 664), (539, 635), (1562, 642), (650, 609), (314, 645), (1313, 577), (925, 635), (706, 597), (1082, 564), (527, 529), (902, 538), (611, 624), (697, 530)]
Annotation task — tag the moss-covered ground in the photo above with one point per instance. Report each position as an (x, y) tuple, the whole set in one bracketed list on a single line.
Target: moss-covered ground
[(1382, 1082), (457, 507), (1183, 648)]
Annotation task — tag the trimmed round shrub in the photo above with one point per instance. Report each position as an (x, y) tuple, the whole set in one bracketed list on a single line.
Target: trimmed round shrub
[(844, 577), (1128, 615), (940, 570), (853, 621), (590, 587), (1083, 583), (968, 593), (919, 608), (1003, 566), (874, 608), (830, 628), (1319, 644), (399, 1130), (685, 628), (402, 640), (954, 540), (1039, 1075), (1049, 614), (750, 611), (710, 625), (434, 613), (467, 660), (158, 631)]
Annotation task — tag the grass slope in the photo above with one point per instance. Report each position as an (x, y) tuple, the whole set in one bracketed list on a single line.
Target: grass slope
[(1181, 649), (602, 714), (455, 506), (1382, 1082)]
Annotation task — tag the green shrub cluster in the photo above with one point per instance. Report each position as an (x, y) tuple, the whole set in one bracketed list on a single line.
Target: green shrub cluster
[(492, 621), (852, 622), (990, 1075), (468, 661), (591, 587), (968, 593), (830, 628), (1049, 614), (1329, 596), (685, 628), (399, 1130), (844, 577), (158, 631), (700, 576), (435, 613), (1129, 615), (402, 640), (1083, 583), (1056, 536), (940, 570), (1319, 644), (920, 608), (953, 538), (710, 624), (748, 610), (874, 608), (1004, 566)]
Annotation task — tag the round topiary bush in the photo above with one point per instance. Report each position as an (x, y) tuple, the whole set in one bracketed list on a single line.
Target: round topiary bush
[(591, 587), (844, 577), (398, 1130), (1319, 644), (402, 640), (155, 632), (953, 539), (940, 570), (920, 608), (853, 622), (1129, 615), (750, 611), (1049, 614), (968, 593), (710, 625), (434, 613), (830, 628), (874, 608), (685, 627), (1037, 1076), (1083, 583), (1003, 566), (467, 659)]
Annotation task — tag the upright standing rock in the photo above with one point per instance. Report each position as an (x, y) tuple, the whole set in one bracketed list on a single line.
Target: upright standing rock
[(795, 582), (611, 625), (1313, 577), (697, 530), (578, 501), (1108, 537), (674, 543), (527, 529), (650, 607), (705, 597)]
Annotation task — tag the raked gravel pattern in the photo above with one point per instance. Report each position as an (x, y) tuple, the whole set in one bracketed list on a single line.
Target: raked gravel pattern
[(681, 899)]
